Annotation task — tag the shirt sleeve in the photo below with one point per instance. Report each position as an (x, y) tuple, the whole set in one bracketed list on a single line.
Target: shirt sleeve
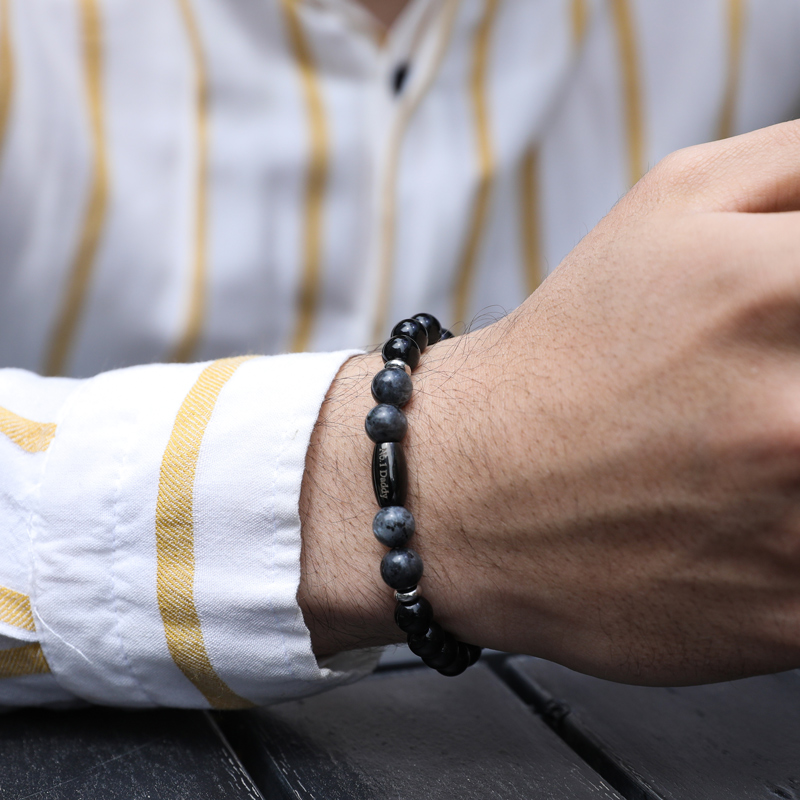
[(150, 535)]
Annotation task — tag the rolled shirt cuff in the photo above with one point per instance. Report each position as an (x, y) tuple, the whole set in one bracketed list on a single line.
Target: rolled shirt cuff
[(166, 536)]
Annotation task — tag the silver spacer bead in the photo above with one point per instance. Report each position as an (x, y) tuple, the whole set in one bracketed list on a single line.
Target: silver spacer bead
[(408, 597), (397, 363)]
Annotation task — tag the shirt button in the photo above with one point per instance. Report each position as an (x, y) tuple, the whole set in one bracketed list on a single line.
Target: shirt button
[(399, 76)]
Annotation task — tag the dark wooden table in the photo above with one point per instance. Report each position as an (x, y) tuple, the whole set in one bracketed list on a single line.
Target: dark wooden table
[(511, 727)]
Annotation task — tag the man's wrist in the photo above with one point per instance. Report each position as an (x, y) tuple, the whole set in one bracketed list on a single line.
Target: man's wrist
[(344, 603)]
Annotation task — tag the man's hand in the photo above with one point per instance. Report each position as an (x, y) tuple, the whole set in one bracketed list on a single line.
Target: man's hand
[(610, 476)]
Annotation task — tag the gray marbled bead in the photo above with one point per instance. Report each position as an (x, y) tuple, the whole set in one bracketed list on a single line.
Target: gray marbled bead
[(392, 386), (386, 423), (393, 526), (401, 568)]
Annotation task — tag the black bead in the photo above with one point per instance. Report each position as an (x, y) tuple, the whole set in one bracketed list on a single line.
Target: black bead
[(460, 664), (392, 386), (431, 325), (403, 348), (393, 526), (386, 423), (389, 474), (414, 329), (474, 653), (446, 656), (446, 334), (401, 568), (415, 617), (428, 643)]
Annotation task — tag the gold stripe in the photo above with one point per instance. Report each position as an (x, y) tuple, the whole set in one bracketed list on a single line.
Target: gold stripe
[(580, 18), (21, 661), (632, 88), (531, 225), (35, 437), (316, 178), (736, 14), (6, 69), (80, 273), (466, 270), (187, 344), (389, 194), (15, 610), (175, 570), (529, 189)]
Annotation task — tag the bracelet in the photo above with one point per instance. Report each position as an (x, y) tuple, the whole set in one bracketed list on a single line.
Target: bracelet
[(393, 526)]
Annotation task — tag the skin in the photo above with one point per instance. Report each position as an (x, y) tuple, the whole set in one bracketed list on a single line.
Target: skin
[(609, 477), (385, 11)]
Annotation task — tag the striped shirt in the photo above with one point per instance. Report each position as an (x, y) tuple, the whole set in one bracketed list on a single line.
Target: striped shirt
[(190, 180)]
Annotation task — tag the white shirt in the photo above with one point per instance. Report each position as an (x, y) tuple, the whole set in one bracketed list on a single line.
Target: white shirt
[(190, 180)]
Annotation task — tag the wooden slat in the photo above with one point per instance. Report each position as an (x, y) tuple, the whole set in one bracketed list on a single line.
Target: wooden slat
[(117, 755), (729, 740), (409, 733)]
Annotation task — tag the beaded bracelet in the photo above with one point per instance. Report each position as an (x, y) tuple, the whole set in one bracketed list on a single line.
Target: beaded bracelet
[(393, 526)]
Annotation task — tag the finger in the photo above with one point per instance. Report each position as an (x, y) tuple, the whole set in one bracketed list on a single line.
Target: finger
[(756, 172)]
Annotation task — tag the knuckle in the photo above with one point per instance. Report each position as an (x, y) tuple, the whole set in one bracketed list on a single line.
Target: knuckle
[(703, 171), (683, 172), (677, 164), (701, 176), (783, 134)]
